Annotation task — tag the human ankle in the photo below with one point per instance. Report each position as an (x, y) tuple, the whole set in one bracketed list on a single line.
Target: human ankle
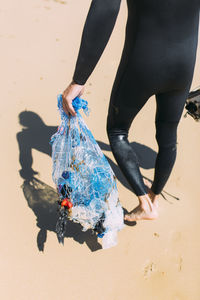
[(145, 201), (153, 197)]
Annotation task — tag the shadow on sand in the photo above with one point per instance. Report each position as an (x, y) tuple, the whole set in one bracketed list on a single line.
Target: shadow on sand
[(41, 198)]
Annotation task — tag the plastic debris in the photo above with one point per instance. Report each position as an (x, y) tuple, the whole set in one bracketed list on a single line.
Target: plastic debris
[(85, 182)]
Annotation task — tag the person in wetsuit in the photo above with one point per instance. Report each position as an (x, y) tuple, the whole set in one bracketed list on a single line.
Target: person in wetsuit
[(158, 59)]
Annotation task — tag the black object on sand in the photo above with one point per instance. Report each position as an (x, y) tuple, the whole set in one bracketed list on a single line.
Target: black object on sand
[(193, 104)]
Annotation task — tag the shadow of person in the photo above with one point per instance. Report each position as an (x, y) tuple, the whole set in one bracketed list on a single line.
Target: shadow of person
[(35, 134)]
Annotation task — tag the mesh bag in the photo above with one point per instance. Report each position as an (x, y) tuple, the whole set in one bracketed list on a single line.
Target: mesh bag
[(85, 182)]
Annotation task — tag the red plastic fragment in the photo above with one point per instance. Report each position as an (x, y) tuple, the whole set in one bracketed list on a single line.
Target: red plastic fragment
[(69, 204), (66, 203)]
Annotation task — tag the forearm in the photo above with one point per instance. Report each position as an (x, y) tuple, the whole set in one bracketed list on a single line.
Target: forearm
[(98, 27)]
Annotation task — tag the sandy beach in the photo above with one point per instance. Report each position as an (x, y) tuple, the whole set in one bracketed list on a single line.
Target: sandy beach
[(154, 260)]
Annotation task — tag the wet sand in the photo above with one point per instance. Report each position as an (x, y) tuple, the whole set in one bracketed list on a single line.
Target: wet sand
[(154, 260)]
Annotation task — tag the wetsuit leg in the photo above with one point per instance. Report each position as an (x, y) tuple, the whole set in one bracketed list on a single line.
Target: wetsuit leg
[(125, 103), (170, 106)]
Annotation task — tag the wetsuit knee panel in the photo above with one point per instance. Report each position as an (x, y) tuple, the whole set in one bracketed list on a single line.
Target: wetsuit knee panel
[(115, 129), (117, 137)]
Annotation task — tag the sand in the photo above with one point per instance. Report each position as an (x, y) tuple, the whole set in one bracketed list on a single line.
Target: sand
[(154, 260)]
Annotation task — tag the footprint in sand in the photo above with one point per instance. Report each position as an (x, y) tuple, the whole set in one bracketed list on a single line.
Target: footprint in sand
[(156, 234), (60, 1), (180, 263), (149, 269)]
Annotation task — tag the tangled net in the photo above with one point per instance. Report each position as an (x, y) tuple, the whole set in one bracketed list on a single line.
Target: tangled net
[(85, 182)]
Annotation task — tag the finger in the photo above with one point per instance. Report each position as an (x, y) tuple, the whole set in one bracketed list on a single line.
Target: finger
[(65, 108), (71, 110)]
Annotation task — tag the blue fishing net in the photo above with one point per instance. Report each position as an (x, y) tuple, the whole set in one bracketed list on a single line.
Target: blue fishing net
[(85, 182)]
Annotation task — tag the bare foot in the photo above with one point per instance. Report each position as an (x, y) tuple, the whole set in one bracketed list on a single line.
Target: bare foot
[(141, 214), (146, 210)]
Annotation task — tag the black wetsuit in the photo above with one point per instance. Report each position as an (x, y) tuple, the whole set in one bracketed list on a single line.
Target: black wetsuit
[(158, 59)]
